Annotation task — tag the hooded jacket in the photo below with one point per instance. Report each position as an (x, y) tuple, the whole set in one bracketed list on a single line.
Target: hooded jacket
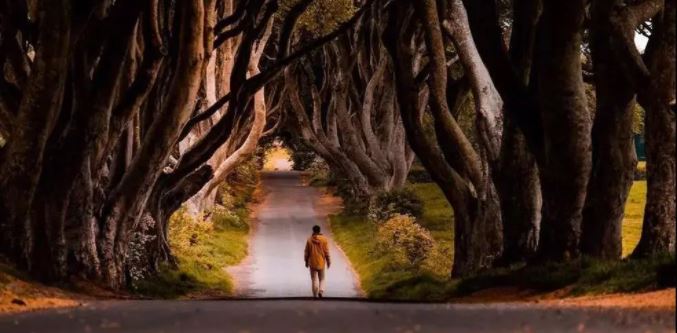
[(317, 252)]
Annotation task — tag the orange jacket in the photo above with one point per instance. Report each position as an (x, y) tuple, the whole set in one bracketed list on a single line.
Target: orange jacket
[(317, 252)]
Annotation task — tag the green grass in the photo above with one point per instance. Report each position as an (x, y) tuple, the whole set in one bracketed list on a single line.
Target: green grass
[(383, 280), (379, 277), (203, 249), (634, 214), (584, 276)]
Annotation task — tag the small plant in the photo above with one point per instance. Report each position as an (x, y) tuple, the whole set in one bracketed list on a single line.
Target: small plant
[(138, 255), (185, 232), (409, 243), (397, 202), (226, 219), (320, 173)]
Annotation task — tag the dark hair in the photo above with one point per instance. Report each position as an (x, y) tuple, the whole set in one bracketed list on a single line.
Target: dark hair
[(316, 229)]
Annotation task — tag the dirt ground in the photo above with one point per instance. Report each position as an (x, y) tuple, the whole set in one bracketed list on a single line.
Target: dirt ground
[(17, 295), (652, 300)]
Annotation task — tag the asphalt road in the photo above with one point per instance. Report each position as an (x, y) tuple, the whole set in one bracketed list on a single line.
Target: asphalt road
[(330, 316), (275, 265)]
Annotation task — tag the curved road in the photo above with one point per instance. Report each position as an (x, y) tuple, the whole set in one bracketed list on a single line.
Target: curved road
[(284, 220)]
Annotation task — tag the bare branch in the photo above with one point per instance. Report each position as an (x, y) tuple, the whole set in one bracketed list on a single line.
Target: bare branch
[(624, 21), (237, 16), (259, 80)]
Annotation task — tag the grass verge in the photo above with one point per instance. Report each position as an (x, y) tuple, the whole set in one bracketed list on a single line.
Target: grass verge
[(381, 279), (203, 249)]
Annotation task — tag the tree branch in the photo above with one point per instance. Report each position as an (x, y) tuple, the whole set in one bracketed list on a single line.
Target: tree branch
[(259, 80), (238, 15), (624, 21)]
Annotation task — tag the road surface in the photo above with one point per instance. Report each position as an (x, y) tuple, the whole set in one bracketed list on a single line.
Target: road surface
[(284, 220), (281, 316)]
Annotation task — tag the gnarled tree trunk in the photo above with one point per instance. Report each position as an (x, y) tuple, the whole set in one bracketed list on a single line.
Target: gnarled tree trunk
[(566, 165), (658, 99)]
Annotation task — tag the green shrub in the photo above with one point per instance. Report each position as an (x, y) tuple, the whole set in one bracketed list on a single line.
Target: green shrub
[(397, 202), (227, 219), (409, 243), (246, 173), (320, 174)]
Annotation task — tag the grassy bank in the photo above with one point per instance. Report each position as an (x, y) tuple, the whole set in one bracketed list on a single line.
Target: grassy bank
[(204, 248), (382, 279)]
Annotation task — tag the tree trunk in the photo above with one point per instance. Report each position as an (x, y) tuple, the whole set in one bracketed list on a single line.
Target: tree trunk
[(658, 99), (518, 180), (566, 121), (21, 160), (613, 152), (520, 194), (130, 195), (477, 217), (477, 234)]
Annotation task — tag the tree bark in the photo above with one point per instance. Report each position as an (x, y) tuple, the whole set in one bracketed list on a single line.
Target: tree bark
[(477, 215), (566, 121), (21, 160), (613, 152), (658, 99), (520, 194), (164, 132), (510, 69)]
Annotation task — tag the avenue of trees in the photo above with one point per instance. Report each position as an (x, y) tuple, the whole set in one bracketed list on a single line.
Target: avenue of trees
[(113, 114)]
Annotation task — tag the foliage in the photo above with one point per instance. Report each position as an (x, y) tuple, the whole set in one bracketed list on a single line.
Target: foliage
[(322, 16), (396, 202), (586, 276), (638, 119), (380, 278), (226, 219), (320, 174), (383, 280), (201, 254), (408, 243), (247, 172), (302, 157), (139, 267), (204, 248)]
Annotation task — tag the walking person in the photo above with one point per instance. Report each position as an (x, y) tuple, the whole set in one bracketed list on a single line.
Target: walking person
[(317, 257)]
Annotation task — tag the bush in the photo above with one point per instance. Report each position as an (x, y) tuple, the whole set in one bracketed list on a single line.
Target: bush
[(246, 173), (226, 219), (139, 262), (185, 231), (397, 202), (320, 174), (409, 243)]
